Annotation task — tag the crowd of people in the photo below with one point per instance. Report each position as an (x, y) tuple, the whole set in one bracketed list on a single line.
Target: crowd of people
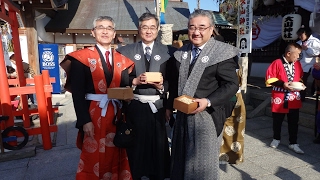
[(205, 69)]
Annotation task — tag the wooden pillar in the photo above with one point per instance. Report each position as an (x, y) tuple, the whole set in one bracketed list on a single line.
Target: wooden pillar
[(42, 109), (74, 38), (135, 38), (32, 38), (17, 54), (158, 8)]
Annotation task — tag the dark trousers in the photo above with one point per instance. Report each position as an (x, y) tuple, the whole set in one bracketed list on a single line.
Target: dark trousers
[(318, 122), (303, 93), (293, 119)]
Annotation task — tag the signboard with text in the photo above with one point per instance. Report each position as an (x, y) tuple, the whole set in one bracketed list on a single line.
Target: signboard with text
[(245, 14), (49, 60)]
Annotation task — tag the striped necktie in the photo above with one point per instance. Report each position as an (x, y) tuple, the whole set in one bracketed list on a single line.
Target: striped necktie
[(197, 52), (148, 53)]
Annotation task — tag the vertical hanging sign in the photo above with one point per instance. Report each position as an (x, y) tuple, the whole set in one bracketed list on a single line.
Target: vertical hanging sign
[(291, 23), (245, 14), (49, 60)]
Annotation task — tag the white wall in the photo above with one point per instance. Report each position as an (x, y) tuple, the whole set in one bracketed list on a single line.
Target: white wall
[(24, 48)]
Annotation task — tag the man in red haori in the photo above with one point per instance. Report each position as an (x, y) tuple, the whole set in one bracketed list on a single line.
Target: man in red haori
[(286, 100), (90, 72)]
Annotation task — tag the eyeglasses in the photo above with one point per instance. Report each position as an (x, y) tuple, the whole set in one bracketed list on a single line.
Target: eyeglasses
[(146, 28), (101, 28), (201, 29)]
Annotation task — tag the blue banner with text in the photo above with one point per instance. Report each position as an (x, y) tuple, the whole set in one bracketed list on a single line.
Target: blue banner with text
[(49, 60)]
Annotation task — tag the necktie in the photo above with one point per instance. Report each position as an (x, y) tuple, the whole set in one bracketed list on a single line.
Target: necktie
[(108, 62), (197, 52), (148, 53)]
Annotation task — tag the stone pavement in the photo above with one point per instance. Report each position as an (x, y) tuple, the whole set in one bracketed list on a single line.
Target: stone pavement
[(260, 161)]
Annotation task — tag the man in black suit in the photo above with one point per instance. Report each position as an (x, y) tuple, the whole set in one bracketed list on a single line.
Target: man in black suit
[(207, 72), (149, 157)]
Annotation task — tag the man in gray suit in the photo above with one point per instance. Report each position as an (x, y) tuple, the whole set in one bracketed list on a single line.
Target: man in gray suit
[(207, 72)]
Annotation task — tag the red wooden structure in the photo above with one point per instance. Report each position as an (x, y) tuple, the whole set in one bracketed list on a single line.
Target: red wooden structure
[(42, 86)]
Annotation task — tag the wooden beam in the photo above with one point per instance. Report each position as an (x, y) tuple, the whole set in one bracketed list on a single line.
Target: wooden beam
[(28, 81), (3, 10), (12, 6), (49, 12), (74, 39), (5, 18), (32, 39), (37, 130), (36, 4)]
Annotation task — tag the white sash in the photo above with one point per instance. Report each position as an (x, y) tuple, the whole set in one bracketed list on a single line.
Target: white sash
[(150, 99), (104, 101)]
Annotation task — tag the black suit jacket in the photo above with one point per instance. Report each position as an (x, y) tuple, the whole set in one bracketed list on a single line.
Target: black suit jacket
[(218, 83), (82, 83)]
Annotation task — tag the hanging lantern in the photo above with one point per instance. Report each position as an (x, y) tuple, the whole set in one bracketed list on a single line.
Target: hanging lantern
[(290, 25), (268, 2)]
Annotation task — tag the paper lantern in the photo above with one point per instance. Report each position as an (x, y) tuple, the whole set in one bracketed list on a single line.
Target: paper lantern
[(290, 25)]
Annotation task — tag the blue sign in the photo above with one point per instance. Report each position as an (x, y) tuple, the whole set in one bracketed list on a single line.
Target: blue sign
[(49, 60)]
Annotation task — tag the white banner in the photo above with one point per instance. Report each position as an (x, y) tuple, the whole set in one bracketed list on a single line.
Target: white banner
[(265, 31), (245, 13), (308, 5)]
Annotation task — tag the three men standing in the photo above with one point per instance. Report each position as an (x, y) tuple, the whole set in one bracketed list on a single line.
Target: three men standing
[(204, 70)]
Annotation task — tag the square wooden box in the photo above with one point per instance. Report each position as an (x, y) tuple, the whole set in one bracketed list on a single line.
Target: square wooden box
[(153, 76), (183, 106), (121, 93)]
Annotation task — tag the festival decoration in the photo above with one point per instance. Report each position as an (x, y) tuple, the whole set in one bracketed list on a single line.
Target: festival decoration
[(163, 6), (245, 14), (290, 25)]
